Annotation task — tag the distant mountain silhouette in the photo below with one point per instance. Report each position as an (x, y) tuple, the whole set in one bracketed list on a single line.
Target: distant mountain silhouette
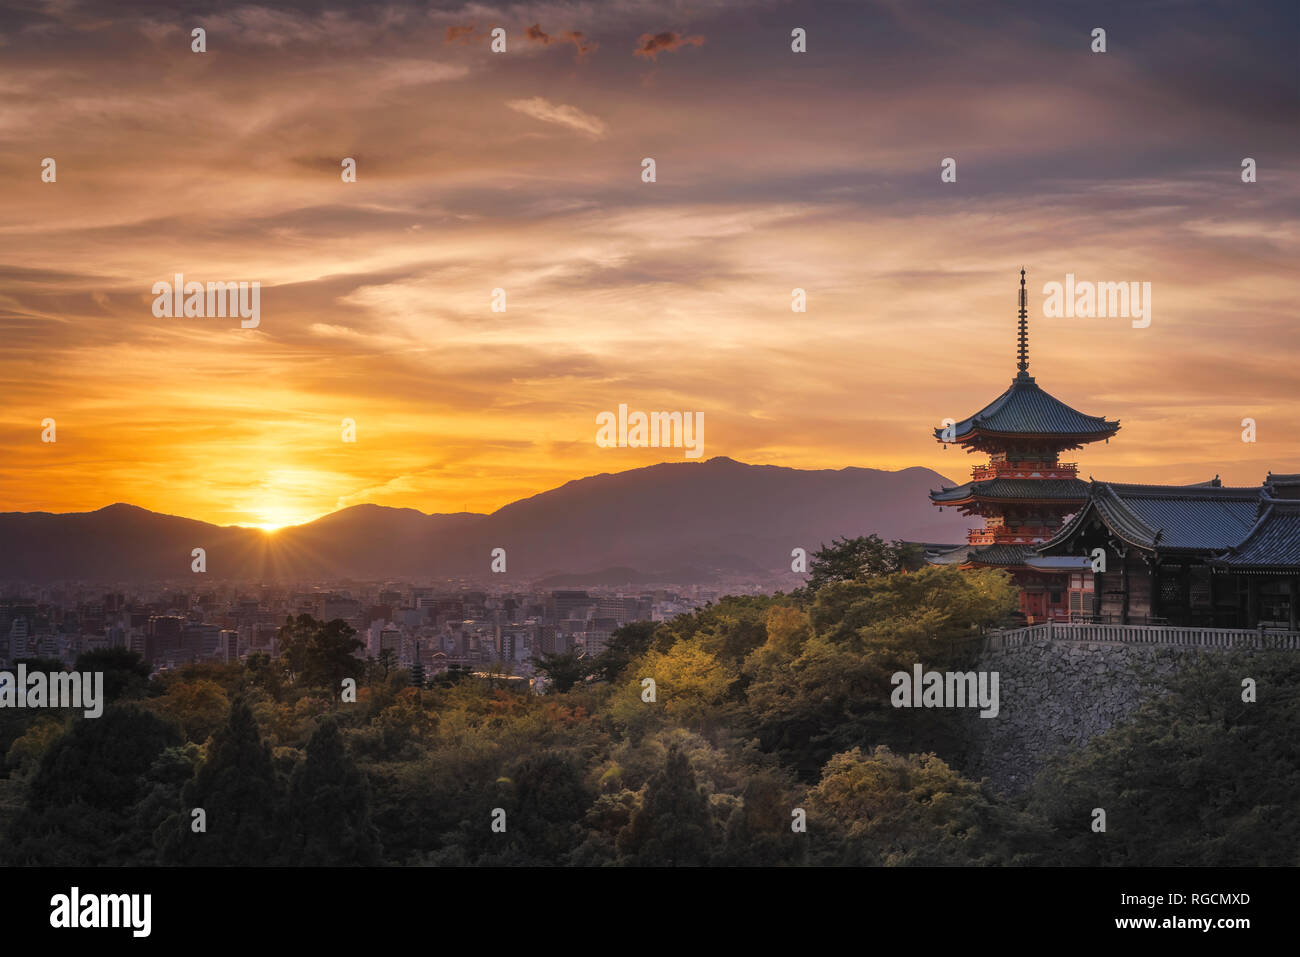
[(704, 519)]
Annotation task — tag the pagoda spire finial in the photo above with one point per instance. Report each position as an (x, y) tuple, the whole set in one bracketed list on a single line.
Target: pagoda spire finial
[(1024, 329)]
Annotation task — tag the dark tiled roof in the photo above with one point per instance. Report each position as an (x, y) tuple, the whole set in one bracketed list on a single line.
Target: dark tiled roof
[(1206, 518), (1274, 540), (1025, 409), (1002, 556), (1045, 490), (954, 555)]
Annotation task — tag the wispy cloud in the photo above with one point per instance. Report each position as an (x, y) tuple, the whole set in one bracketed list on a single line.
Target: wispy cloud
[(540, 108)]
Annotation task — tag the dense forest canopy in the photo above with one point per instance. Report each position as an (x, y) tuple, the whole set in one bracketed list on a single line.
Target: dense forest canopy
[(769, 739)]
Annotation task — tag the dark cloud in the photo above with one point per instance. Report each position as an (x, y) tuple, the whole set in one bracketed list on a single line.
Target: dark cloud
[(579, 39), (650, 45)]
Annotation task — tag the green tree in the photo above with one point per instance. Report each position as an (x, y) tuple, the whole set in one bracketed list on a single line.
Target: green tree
[(267, 673), (198, 707), (387, 662), (158, 813), (1196, 777), (320, 654), (126, 673), (237, 789), (625, 645), (890, 810), (855, 559), (81, 800), (329, 806), (673, 826), (563, 670), (545, 801), (812, 697)]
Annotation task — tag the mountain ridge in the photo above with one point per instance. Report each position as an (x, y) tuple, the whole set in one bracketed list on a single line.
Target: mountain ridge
[(720, 516)]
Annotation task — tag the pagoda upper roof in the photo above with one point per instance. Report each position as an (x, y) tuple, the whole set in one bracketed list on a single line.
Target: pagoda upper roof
[(1014, 490), (1025, 409)]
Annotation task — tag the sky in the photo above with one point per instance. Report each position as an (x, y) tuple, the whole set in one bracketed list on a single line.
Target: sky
[(522, 171)]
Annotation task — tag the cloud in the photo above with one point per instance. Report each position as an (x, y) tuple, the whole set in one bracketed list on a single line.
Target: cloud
[(652, 44), (459, 34), (540, 108), (579, 39)]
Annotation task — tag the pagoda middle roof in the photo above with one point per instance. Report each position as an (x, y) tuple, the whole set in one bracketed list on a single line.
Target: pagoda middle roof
[(1013, 489), (1026, 409)]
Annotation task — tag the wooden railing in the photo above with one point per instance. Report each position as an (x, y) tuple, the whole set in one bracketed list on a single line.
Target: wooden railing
[(1045, 470), (1010, 535), (1234, 638)]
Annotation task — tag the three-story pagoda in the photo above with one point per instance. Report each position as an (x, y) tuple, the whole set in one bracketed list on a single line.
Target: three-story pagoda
[(1024, 493)]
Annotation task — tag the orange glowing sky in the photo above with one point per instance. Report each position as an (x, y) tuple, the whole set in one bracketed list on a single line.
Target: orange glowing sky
[(522, 171)]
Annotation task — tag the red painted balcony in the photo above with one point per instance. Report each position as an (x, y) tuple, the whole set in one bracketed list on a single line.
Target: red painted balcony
[(1029, 470), (1011, 535)]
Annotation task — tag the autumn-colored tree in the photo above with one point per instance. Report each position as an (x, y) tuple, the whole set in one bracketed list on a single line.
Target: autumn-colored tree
[(890, 810)]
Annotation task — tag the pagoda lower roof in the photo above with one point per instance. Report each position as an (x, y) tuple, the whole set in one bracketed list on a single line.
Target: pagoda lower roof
[(1025, 410), (1013, 490), (1003, 556)]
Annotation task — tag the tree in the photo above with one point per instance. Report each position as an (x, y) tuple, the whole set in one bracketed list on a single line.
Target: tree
[(81, 800), (890, 810), (237, 790), (1196, 777), (625, 645), (158, 812), (855, 559), (673, 826), (329, 806), (319, 654), (545, 801), (563, 670), (691, 685), (197, 706), (266, 673), (810, 697), (126, 673)]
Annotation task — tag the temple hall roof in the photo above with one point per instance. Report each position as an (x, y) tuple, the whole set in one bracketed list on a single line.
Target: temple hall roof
[(1204, 518), (1273, 541)]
